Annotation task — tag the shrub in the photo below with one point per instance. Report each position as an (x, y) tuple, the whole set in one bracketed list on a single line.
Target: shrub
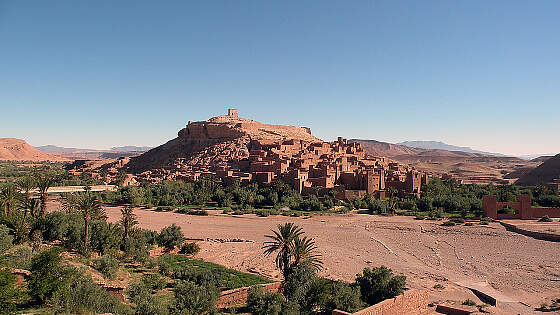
[(439, 286), (469, 302), (448, 223), (191, 298), (344, 297), (201, 277), (260, 302), (47, 276), (9, 292), (80, 294), (170, 237), (6, 240), (457, 220), (190, 249), (19, 257), (379, 284), (107, 266), (545, 219), (154, 281), (105, 236)]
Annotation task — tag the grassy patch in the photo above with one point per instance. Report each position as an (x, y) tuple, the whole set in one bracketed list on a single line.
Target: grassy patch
[(232, 279)]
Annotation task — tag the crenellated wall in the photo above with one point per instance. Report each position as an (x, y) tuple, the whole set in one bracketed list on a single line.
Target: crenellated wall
[(523, 209)]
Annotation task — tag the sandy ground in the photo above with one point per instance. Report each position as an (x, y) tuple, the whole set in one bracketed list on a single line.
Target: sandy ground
[(514, 267)]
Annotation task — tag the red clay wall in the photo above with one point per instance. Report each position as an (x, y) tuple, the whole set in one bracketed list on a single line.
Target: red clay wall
[(238, 297), (411, 302), (522, 208)]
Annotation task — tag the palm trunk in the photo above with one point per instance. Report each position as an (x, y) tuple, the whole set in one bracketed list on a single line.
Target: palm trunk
[(86, 232), (285, 260), (8, 208), (43, 204)]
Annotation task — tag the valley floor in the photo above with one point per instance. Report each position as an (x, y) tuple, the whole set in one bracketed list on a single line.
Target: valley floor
[(518, 268)]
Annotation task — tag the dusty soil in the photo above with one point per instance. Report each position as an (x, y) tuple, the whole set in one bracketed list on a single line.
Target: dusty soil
[(516, 267)]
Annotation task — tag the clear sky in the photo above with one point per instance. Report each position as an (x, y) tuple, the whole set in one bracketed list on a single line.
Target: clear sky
[(97, 74)]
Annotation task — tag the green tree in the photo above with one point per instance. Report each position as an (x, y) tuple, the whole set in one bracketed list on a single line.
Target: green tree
[(9, 292), (10, 197), (303, 250), (47, 275), (193, 299), (44, 182), (170, 237), (6, 240), (260, 302), (128, 220), (26, 185), (379, 284), (282, 243), (90, 208)]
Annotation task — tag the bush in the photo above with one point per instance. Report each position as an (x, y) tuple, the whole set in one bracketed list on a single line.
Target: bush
[(107, 266), (9, 292), (191, 298), (189, 249), (448, 223), (469, 302), (19, 257), (47, 276), (80, 294), (105, 236), (201, 277), (457, 220), (154, 281), (260, 302), (6, 240), (545, 219), (379, 284), (343, 296), (170, 237)]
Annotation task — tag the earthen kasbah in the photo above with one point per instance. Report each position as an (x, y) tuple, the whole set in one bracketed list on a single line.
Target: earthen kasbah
[(233, 148)]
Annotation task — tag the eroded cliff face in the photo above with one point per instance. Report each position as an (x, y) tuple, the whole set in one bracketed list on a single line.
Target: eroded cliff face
[(215, 142)]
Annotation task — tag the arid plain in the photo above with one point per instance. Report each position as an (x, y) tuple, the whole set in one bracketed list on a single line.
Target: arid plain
[(520, 271)]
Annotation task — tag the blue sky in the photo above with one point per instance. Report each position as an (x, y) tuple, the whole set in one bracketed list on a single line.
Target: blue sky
[(97, 74)]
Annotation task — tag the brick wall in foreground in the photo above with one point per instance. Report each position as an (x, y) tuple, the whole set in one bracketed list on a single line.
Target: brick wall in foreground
[(238, 297), (411, 302)]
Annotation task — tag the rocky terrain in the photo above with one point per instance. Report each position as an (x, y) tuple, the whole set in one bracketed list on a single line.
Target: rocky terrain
[(12, 149), (545, 173), (216, 141)]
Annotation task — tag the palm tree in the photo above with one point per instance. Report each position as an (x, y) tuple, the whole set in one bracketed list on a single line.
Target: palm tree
[(128, 220), (26, 185), (32, 206), (89, 207), (9, 197), (281, 242), (44, 182), (304, 252)]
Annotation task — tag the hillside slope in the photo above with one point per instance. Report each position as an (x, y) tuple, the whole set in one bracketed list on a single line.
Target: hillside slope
[(544, 173), (12, 149), (217, 141)]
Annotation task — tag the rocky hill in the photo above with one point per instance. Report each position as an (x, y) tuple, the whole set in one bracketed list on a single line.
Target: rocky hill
[(214, 142), (12, 149), (545, 173)]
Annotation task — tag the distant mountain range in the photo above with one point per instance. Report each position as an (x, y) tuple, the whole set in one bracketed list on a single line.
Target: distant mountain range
[(438, 145), (114, 152)]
